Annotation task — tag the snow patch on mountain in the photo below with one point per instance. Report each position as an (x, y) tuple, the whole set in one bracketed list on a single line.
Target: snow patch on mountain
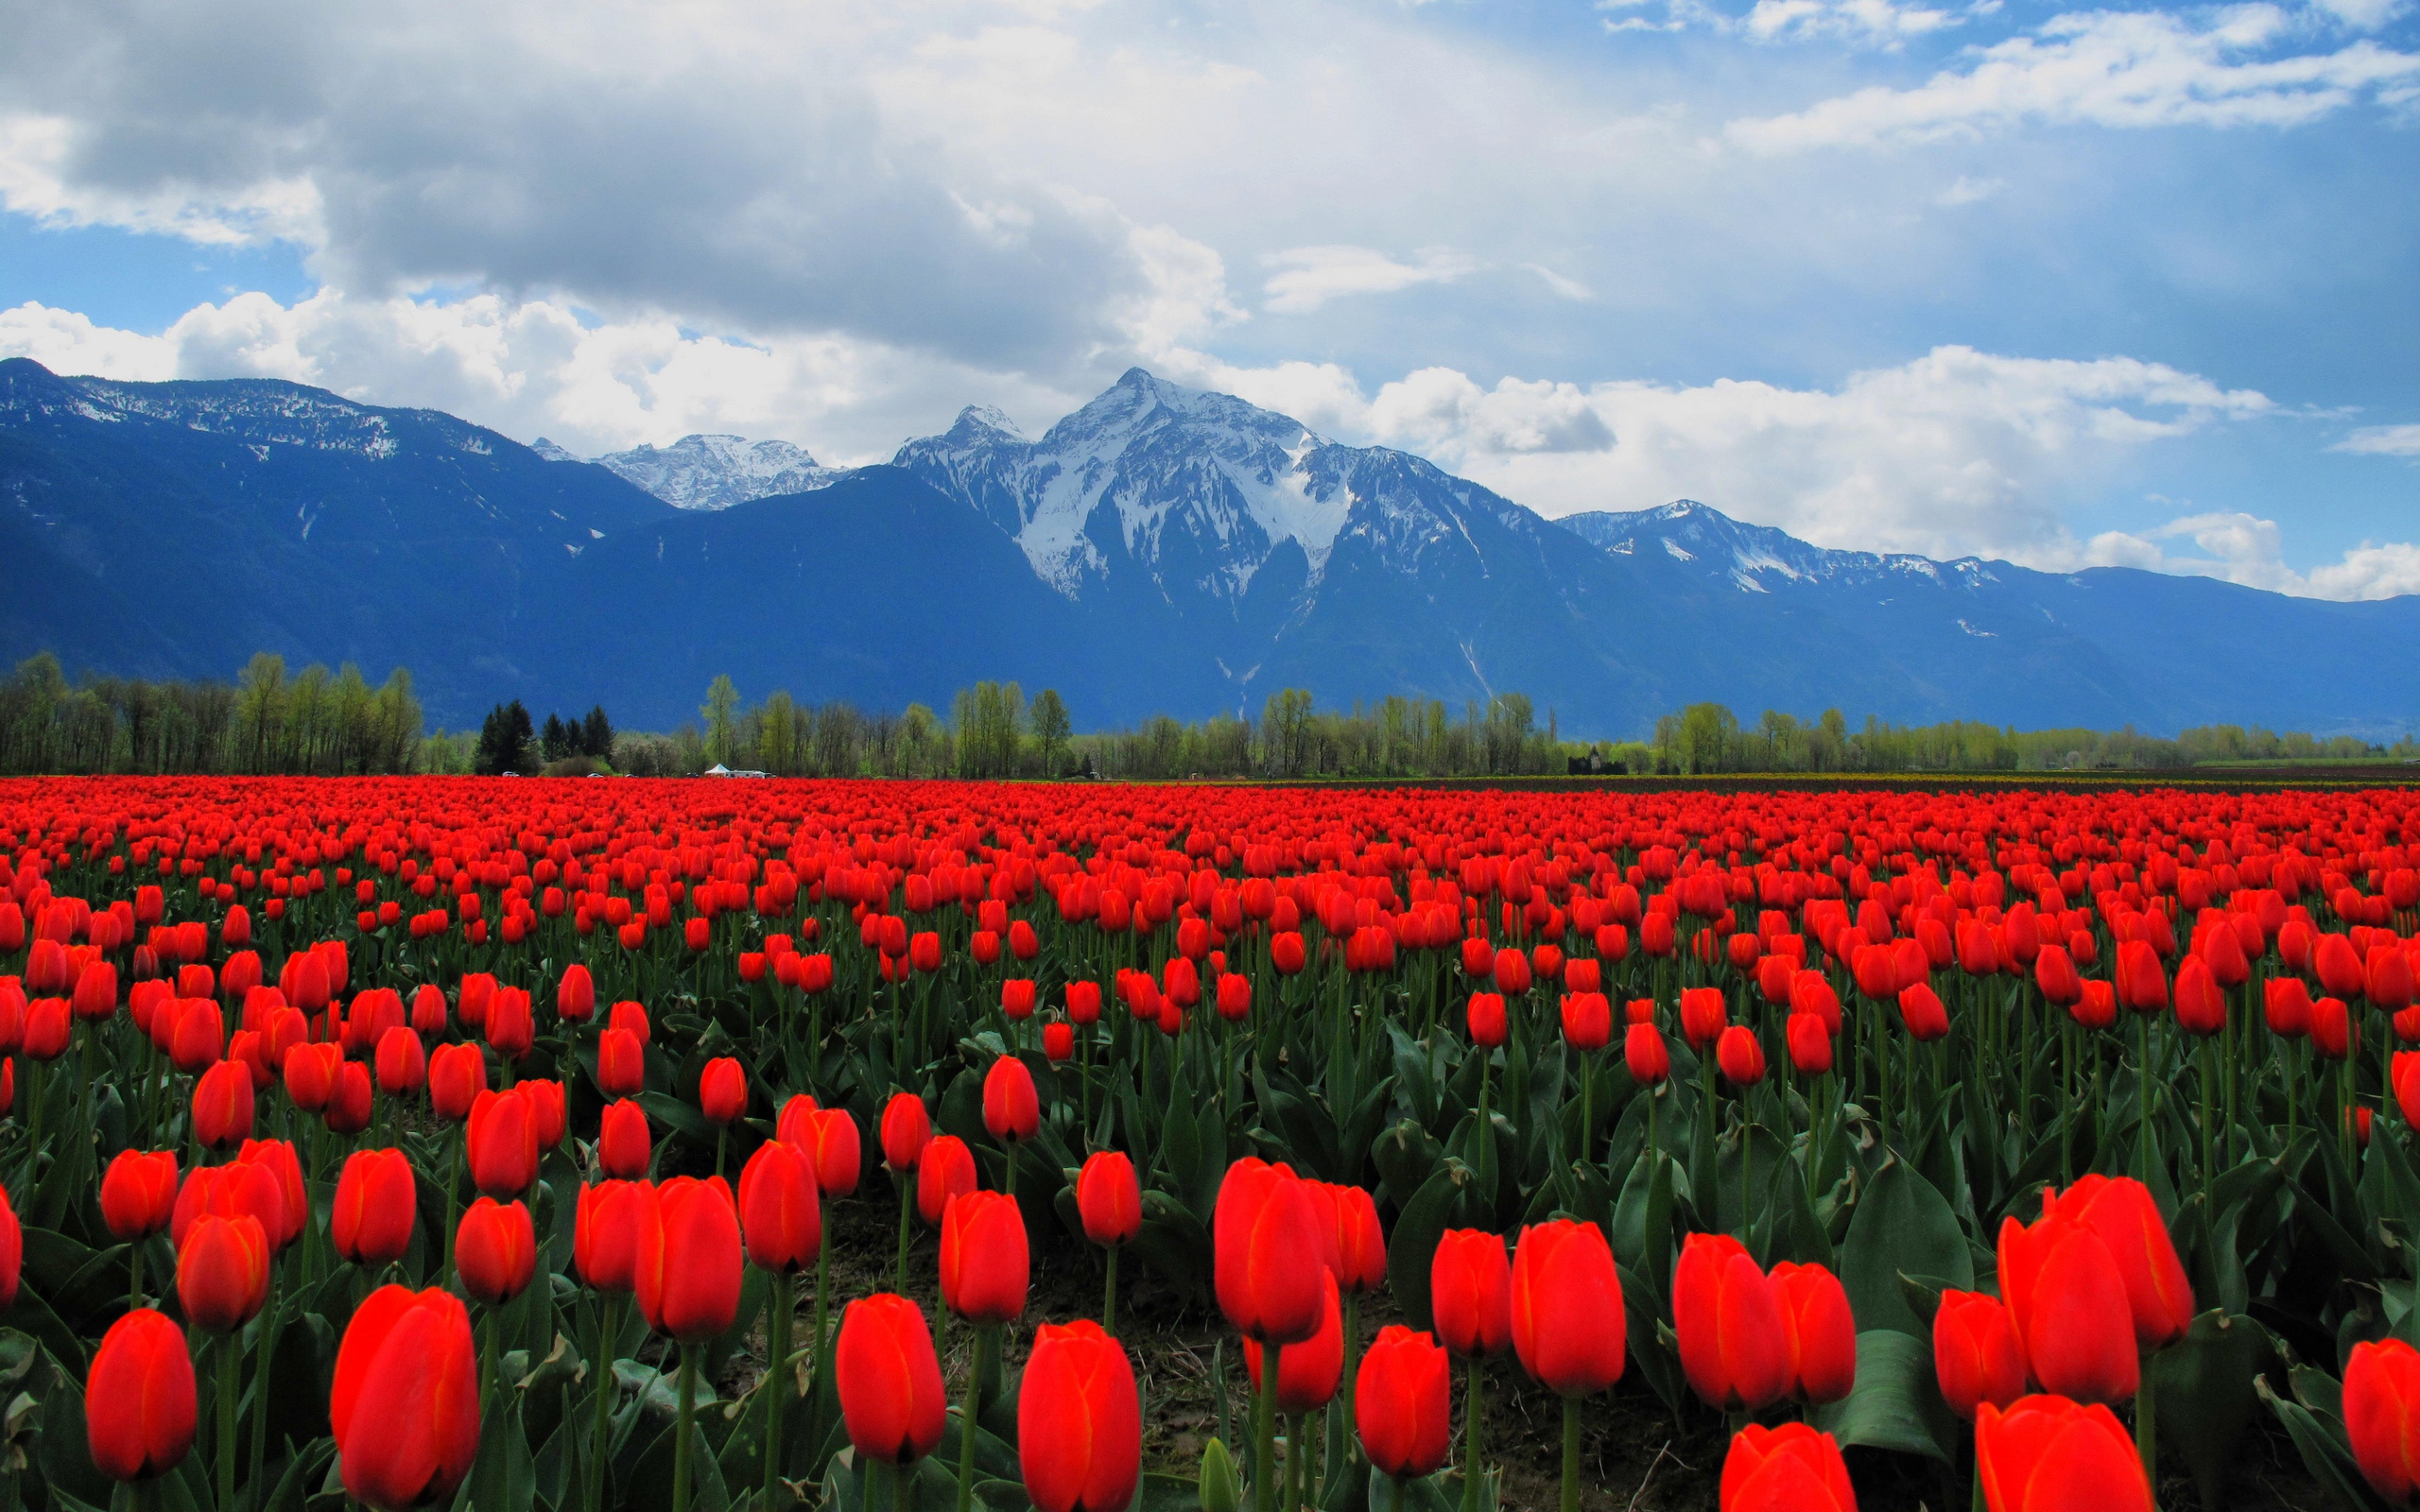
[(1201, 490), (713, 471)]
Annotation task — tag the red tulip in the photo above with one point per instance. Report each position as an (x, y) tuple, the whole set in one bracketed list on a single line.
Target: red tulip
[(1360, 1244), (1810, 1047), (1010, 1110), (1017, 998), (624, 1145), (983, 1259), (1269, 1254), (687, 1264), (781, 1213), (502, 1144), (907, 1128), (1975, 1353), (1789, 1468), (138, 1194), (2201, 1006), (1309, 1371), (139, 1401), (1587, 1021), (1821, 1329), (946, 1171), (1703, 1013), (2332, 1032), (890, 1381), (621, 1063), (2382, 1417), (495, 1250), (2049, 1454), (222, 1105), (2142, 984), (1921, 1007), (1470, 1293), (1486, 1020), (222, 1271), (457, 1075), (2121, 1212), (405, 1401), (1741, 1055), (1058, 1042), (2339, 966), (1735, 1346), (2287, 1006), (576, 994), (1569, 1325), (377, 1201), (1649, 1060), (1402, 1405), (605, 1233), (349, 1107), (1108, 1198), (1079, 1424), (722, 1091), (839, 1158), (403, 1065), (2068, 1302)]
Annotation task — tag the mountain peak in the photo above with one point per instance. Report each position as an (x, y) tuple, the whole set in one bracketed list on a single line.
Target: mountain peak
[(977, 422), (703, 471)]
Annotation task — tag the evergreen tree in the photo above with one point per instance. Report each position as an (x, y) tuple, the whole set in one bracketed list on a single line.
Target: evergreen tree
[(596, 735), (556, 741)]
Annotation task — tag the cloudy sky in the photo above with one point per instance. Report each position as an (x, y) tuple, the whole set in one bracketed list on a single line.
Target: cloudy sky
[(2015, 278)]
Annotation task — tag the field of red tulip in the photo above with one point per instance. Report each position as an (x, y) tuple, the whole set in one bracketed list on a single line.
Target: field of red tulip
[(401, 1143)]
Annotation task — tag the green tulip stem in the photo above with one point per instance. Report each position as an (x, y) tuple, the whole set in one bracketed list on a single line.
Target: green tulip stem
[(1486, 1133), (966, 1421), (2210, 1122), (600, 1362), (268, 1344), (681, 1449), (1351, 1366), (1474, 1421), (777, 1376), (1298, 1461), (1571, 1454), (1264, 1433), (134, 1274), (1109, 1296), (2147, 1429), (1587, 1106), (823, 1302), (2143, 1064), (722, 1142), (1394, 1493), (230, 1366), (907, 1204), (1008, 1148)]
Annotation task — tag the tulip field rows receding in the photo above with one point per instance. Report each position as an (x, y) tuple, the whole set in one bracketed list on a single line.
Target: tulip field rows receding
[(456, 1143)]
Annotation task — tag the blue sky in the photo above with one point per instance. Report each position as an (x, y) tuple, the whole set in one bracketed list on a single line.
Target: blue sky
[(2016, 278)]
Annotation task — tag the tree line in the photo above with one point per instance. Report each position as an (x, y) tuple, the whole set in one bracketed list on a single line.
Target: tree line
[(268, 720), (315, 721)]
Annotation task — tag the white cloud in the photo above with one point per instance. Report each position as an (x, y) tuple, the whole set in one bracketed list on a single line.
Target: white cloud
[(2382, 440), (2139, 68), (1965, 191), (1872, 23), (1569, 288), (1309, 277), (536, 367), (2245, 549), (1957, 452)]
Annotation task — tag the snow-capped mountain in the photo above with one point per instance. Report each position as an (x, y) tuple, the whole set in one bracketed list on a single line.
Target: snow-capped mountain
[(1754, 558), (712, 472), (1159, 550)]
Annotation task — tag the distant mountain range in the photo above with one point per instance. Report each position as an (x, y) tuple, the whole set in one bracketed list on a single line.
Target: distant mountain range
[(710, 471), (1162, 549)]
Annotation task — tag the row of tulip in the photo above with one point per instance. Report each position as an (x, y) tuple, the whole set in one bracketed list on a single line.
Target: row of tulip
[(1865, 1039)]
